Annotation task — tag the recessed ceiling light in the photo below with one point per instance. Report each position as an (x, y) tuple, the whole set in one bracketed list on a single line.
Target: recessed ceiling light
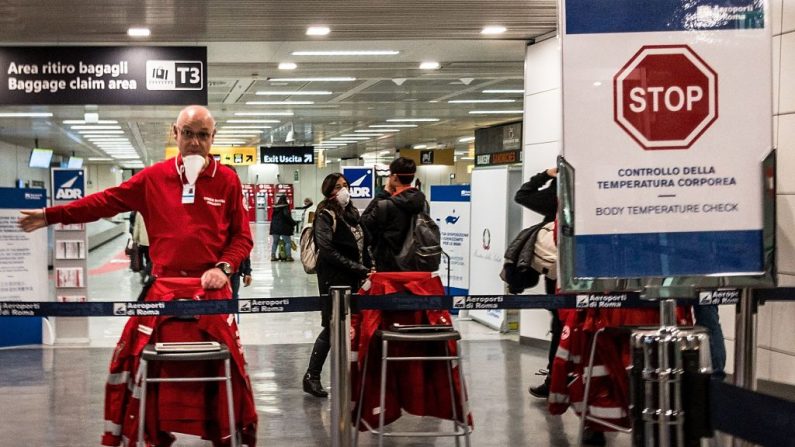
[(318, 30), (408, 120), (100, 127), (295, 93), (496, 112), (379, 126), (466, 139), (347, 53), (99, 159), (278, 103), (94, 122), (264, 113), (509, 91), (493, 29), (287, 66), (246, 127), (362, 134), (86, 133), (251, 121), (26, 115), (138, 32), (315, 79), (376, 130), (429, 65), (477, 101), (356, 138), (420, 146)]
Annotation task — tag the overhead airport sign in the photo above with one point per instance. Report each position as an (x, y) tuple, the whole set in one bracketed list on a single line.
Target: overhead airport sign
[(103, 75), (498, 145), (667, 163), (287, 155), (227, 155)]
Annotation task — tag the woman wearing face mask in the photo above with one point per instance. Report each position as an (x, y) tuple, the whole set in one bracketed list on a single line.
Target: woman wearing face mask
[(341, 261)]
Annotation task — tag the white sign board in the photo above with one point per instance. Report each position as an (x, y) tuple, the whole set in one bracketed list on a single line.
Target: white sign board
[(450, 209), (666, 131), (492, 225)]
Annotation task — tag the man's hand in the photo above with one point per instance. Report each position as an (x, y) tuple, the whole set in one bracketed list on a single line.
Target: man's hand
[(246, 280), (32, 220), (552, 172), (214, 278)]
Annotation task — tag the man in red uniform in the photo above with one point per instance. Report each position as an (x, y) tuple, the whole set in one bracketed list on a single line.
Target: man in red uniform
[(192, 205)]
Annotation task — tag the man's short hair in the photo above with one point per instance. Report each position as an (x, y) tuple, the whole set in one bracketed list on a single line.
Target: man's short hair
[(404, 168)]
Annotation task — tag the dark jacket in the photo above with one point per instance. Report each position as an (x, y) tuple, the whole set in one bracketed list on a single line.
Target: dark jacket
[(282, 222), (245, 267), (338, 259), (387, 225), (542, 201)]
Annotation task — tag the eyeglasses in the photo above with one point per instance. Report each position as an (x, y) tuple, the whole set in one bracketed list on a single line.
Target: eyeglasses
[(189, 134)]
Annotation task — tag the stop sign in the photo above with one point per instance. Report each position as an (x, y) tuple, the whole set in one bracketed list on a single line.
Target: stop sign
[(665, 97)]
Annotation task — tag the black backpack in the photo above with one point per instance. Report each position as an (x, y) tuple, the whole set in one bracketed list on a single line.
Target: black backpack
[(421, 250)]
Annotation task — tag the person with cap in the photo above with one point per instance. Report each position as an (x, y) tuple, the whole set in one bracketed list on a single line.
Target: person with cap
[(387, 225), (341, 261)]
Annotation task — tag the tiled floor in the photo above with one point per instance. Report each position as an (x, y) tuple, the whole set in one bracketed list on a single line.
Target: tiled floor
[(53, 396)]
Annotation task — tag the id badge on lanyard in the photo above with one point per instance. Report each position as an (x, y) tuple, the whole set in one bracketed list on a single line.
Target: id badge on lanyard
[(188, 194)]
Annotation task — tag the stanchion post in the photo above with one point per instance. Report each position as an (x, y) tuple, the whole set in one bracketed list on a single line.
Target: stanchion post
[(745, 347), (340, 367)]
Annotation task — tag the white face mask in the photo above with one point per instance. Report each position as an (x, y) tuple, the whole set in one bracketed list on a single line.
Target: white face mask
[(343, 197), (193, 166)]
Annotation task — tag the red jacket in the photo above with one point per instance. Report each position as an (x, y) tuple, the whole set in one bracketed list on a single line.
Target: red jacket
[(609, 393), (196, 408), (420, 388), (189, 238)]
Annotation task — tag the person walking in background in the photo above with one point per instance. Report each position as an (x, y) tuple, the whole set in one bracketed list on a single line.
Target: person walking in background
[(282, 228), (341, 261), (141, 238)]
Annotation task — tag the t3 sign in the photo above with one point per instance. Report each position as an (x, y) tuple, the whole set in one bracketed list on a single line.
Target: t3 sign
[(665, 97)]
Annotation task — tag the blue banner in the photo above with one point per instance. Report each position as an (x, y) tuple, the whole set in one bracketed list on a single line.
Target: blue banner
[(632, 16)]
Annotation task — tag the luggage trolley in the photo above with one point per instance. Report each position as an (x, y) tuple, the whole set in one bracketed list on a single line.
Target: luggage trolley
[(419, 334), (185, 352)]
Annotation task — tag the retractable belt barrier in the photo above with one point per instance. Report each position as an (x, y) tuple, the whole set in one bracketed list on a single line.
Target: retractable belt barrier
[(386, 302), (759, 418)]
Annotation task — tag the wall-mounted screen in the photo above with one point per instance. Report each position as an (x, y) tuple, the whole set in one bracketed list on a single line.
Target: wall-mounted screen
[(75, 163), (40, 158)]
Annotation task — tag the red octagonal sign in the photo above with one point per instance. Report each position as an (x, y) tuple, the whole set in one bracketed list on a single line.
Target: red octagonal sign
[(665, 97)]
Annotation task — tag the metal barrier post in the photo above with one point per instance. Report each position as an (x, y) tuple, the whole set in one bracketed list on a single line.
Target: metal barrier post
[(340, 366), (745, 347)]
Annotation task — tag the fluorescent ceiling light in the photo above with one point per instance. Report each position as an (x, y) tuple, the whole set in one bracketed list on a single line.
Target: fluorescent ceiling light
[(478, 101), (358, 136), (345, 141), (138, 32), (503, 91), (362, 133), (429, 65), (496, 112), (264, 113), (347, 53), (87, 133), (99, 159), (108, 138), (420, 146), (91, 117), (287, 66), (315, 79), (408, 120), (294, 93), (251, 121), (245, 127), (377, 130), (25, 115), (379, 126), (279, 103), (493, 29), (93, 122), (466, 139), (318, 30), (96, 127), (349, 138)]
